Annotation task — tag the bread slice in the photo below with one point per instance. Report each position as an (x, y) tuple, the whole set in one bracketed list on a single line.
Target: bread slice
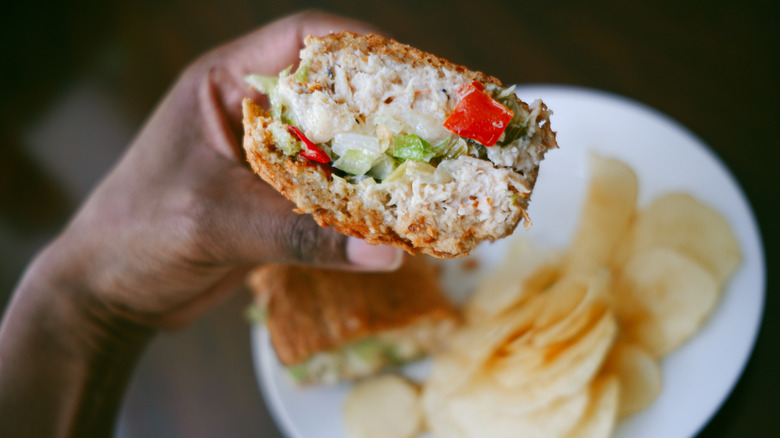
[(378, 88), (329, 326)]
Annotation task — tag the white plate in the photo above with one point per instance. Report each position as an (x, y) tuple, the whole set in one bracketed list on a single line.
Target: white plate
[(697, 377)]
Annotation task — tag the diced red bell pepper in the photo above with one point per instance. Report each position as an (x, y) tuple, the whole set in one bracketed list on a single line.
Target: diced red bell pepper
[(310, 150), (478, 116)]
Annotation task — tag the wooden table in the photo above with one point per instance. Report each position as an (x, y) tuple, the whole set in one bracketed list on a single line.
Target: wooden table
[(711, 66)]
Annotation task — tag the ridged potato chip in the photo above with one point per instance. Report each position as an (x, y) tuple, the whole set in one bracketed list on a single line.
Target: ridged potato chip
[(385, 406), (679, 221), (663, 297), (607, 211), (561, 299), (475, 344), (436, 394), (591, 295), (565, 367), (639, 375), (600, 418), (526, 270), (485, 417)]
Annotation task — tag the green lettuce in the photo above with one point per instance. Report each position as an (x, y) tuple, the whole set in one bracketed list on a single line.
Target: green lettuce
[(412, 147)]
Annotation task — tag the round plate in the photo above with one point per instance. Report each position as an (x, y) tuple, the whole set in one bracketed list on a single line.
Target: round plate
[(666, 157)]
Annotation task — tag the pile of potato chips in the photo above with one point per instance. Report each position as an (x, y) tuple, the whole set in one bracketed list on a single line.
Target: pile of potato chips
[(564, 344)]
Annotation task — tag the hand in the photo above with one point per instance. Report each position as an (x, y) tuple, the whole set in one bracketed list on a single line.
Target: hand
[(171, 229), (181, 219)]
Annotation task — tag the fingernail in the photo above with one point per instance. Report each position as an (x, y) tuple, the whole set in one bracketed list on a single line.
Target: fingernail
[(373, 257)]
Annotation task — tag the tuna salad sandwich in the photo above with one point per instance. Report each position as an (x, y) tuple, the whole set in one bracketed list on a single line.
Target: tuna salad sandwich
[(385, 142), (328, 326)]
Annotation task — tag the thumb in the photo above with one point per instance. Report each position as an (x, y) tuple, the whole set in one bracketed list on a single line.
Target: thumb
[(256, 224)]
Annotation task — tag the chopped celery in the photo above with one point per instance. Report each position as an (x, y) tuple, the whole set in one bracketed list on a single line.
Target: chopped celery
[(268, 86), (256, 315), (303, 71), (263, 84), (382, 167), (354, 161), (299, 373), (398, 173), (457, 148), (369, 350), (348, 141), (411, 147), (357, 153), (516, 127), (395, 355), (451, 148), (419, 169), (283, 139), (411, 169), (441, 148)]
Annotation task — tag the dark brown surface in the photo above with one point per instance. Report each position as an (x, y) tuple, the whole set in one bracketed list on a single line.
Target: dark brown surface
[(713, 66)]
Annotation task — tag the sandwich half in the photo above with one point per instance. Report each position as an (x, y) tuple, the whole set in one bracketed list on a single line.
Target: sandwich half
[(385, 142), (329, 326)]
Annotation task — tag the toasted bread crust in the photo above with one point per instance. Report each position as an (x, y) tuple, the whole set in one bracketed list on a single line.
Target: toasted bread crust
[(387, 47), (312, 310)]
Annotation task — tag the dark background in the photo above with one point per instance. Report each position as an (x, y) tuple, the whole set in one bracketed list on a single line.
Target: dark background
[(78, 79)]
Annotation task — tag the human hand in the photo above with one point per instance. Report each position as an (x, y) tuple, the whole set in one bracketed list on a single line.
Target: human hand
[(181, 218), (171, 229)]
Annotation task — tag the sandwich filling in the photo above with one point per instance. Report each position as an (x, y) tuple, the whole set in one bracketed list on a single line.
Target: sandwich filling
[(369, 355), (410, 134), (370, 114)]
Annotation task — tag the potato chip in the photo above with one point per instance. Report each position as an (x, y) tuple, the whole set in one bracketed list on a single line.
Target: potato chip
[(438, 418), (600, 417), (681, 222), (526, 270), (565, 368), (487, 419), (639, 375), (435, 395), (476, 343), (594, 295), (663, 297), (540, 354), (607, 211), (520, 362), (386, 406), (562, 298)]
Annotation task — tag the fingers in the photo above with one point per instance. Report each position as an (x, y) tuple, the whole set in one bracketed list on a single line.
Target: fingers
[(275, 46), (360, 256), (201, 303), (251, 222), (247, 221), (364, 256), (218, 77), (267, 51)]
